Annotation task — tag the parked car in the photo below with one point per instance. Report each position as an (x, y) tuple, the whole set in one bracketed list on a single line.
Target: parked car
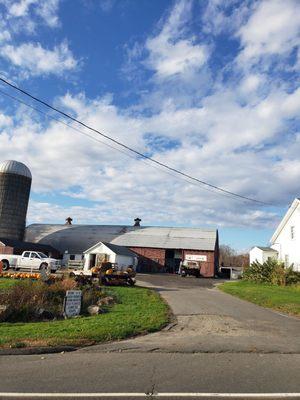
[(33, 260)]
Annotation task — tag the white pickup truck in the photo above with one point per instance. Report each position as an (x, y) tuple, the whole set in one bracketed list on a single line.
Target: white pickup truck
[(33, 260)]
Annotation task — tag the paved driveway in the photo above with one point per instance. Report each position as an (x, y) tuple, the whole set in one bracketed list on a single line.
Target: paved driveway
[(208, 320)]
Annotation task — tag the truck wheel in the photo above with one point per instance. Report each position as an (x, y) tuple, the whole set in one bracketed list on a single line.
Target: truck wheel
[(5, 264), (43, 266)]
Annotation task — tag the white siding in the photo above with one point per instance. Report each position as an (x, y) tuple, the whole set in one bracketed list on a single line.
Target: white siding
[(256, 254), (288, 247), (122, 261)]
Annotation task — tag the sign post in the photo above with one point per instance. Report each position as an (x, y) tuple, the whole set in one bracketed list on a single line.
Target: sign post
[(72, 303)]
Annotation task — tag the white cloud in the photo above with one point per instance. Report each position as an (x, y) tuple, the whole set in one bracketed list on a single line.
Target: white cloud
[(234, 137), (120, 187), (36, 60), (171, 52), (272, 29), (224, 16), (5, 120), (25, 10)]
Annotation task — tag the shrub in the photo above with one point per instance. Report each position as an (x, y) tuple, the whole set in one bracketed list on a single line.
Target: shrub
[(292, 277), (270, 271), (32, 301)]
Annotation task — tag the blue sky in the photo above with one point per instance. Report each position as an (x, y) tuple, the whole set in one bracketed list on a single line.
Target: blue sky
[(208, 87)]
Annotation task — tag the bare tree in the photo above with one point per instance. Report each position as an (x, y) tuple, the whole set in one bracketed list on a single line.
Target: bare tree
[(230, 258)]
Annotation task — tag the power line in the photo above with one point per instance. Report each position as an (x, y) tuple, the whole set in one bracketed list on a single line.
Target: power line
[(144, 156), (115, 148)]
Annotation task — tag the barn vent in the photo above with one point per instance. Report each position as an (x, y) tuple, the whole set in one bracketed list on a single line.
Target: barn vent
[(137, 222)]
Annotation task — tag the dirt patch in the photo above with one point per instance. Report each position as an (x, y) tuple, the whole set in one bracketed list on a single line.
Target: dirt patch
[(195, 325)]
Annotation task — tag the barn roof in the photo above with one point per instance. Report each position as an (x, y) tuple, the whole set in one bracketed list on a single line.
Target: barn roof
[(77, 238), (27, 246), (169, 238)]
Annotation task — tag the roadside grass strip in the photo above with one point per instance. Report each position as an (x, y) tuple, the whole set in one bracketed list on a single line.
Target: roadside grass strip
[(281, 298), (137, 311)]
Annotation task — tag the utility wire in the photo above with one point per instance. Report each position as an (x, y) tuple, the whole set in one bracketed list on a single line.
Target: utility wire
[(115, 148), (144, 156)]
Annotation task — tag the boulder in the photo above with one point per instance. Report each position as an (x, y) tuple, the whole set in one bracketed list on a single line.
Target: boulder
[(94, 310), (105, 301)]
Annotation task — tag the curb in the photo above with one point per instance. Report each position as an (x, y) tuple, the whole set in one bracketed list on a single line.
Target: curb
[(36, 350)]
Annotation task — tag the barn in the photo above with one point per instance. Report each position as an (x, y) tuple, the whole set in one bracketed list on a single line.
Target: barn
[(159, 249)]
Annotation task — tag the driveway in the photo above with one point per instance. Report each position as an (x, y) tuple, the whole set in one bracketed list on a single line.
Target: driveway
[(207, 320)]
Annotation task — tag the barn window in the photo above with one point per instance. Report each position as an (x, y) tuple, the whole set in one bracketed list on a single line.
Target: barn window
[(292, 232)]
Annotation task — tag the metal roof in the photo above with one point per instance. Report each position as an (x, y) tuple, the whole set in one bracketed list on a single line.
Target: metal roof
[(15, 167), (75, 239), (169, 238)]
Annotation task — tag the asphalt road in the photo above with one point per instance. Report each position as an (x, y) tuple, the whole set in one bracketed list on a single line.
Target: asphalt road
[(216, 345)]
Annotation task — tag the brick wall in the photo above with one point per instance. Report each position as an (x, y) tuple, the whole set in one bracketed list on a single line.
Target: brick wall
[(150, 260), (153, 260), (207, 267), (6, 250)]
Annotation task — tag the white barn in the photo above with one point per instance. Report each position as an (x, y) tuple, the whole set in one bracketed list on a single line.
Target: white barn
[(109, 252), (285, 242)]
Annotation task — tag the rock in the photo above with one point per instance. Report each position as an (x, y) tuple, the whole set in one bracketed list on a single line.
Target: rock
[(105, 301), (44, 314), (94, 310), (3, 309)]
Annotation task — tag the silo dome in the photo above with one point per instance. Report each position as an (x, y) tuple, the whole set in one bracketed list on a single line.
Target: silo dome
[(15, 167), (15, 184)]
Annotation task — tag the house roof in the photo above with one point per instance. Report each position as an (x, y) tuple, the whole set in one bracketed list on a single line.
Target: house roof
[(285, 219), (77, 238), (120, 250), (266, 249), (29, 246)]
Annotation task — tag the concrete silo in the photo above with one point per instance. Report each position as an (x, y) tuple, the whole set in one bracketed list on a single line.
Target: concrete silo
[(15, 183)]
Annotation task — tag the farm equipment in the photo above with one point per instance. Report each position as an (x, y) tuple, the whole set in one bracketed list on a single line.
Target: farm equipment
[(107, 273), (110, 275), (190, 268)]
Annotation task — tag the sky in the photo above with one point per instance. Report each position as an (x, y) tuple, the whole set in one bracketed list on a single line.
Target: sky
[(208, 87)]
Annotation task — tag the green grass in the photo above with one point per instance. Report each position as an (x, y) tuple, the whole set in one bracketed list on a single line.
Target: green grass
[(281, 298), (6, 283), (137, 311)]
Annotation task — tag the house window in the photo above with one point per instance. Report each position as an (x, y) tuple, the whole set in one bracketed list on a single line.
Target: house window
[(292, 232), (72, 257)]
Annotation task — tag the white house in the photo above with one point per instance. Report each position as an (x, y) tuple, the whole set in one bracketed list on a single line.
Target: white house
[(285, 242), (262, 254), (286, 238), (113, 253)]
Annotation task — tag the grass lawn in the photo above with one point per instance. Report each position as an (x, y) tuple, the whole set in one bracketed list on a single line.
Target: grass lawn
[(137, 311), (281, 298), (6, 283)]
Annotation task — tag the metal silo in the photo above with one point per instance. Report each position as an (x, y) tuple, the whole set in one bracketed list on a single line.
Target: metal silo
[(15, 183)]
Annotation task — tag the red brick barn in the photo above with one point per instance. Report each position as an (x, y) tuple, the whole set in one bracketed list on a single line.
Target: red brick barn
[(161, 249)]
